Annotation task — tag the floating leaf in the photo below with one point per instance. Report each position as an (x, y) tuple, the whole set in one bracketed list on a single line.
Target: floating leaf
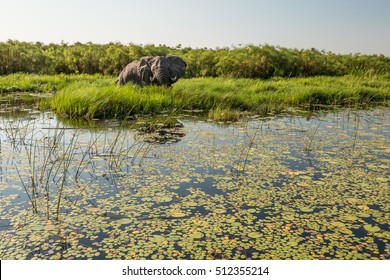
[(219, 210), (177, 214), (93, 210), (345, 230), (306, 209), (196, 235), (337, 224), (165, 199), (289, 217), (185, 180), (363, 215), (350, 217), (124, 221), (191, 204), (37, 227), (371, 228), (36, 237), (292, 243), (157, 238), (49, 227), (255, 235)]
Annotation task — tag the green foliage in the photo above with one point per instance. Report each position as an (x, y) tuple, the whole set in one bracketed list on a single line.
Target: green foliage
[(243, 62), (97, 96), (223, 97)]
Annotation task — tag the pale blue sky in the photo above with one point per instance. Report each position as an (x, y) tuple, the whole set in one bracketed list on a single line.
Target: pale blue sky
[(340, 26)]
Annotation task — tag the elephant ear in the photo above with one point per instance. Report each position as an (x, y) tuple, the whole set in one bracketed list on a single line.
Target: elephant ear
[(178, 66)]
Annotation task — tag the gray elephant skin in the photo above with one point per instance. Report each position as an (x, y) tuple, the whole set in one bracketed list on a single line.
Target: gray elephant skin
[(153, 70)]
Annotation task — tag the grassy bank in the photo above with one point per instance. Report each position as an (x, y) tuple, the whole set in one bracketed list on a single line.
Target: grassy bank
[(98, 97)]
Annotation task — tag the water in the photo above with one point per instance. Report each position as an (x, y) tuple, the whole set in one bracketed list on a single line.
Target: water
[(312, 186)]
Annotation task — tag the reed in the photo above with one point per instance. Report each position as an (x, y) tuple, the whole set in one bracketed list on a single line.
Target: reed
[(89, 100), (95, 96)]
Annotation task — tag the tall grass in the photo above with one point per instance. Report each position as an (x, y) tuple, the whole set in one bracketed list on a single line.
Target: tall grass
[(42, 83), (98, 97), (82, 99)]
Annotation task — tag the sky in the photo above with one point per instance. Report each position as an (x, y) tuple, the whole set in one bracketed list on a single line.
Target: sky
[(339, 26)]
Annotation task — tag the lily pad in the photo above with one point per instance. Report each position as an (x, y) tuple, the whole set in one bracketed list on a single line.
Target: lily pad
[(177, 214), (350, 217), (49, 227), (219, 210), (371, 228), (345, 230), (157, 238), (165, 199), (292, 243), (353, 200), (288, 217), (37, 227), (124, 221), (196, 235), (306, 209), (255, 235), (191, 204), (338, 224), (363, 215)]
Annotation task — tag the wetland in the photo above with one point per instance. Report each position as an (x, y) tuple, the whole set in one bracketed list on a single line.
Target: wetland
[(296, 184)]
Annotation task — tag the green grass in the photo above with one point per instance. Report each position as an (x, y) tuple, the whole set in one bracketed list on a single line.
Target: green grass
[(98, 97), (42, 83)]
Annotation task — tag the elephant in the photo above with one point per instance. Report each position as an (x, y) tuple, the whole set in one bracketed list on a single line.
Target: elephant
[(137, 72), (156, 70)]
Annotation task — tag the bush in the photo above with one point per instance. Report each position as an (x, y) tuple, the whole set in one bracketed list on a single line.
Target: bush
[(244, 62)]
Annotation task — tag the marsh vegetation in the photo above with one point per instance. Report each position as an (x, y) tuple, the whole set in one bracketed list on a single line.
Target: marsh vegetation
[(220, 166), (96, 96)]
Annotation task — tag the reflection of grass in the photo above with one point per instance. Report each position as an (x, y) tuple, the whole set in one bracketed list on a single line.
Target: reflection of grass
[(98, 97), (219, 114)]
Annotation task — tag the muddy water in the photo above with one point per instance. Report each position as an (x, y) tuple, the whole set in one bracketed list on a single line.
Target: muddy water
[(308, 186)]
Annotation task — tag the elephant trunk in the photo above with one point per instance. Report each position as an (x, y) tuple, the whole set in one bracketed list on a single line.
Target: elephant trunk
[(162, 77)]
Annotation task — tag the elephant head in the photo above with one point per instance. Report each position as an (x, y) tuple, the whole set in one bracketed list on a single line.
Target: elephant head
[(178, 67), (167, 70)]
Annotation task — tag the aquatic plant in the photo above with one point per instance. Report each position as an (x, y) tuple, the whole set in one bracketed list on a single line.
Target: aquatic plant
[(246, 190)]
